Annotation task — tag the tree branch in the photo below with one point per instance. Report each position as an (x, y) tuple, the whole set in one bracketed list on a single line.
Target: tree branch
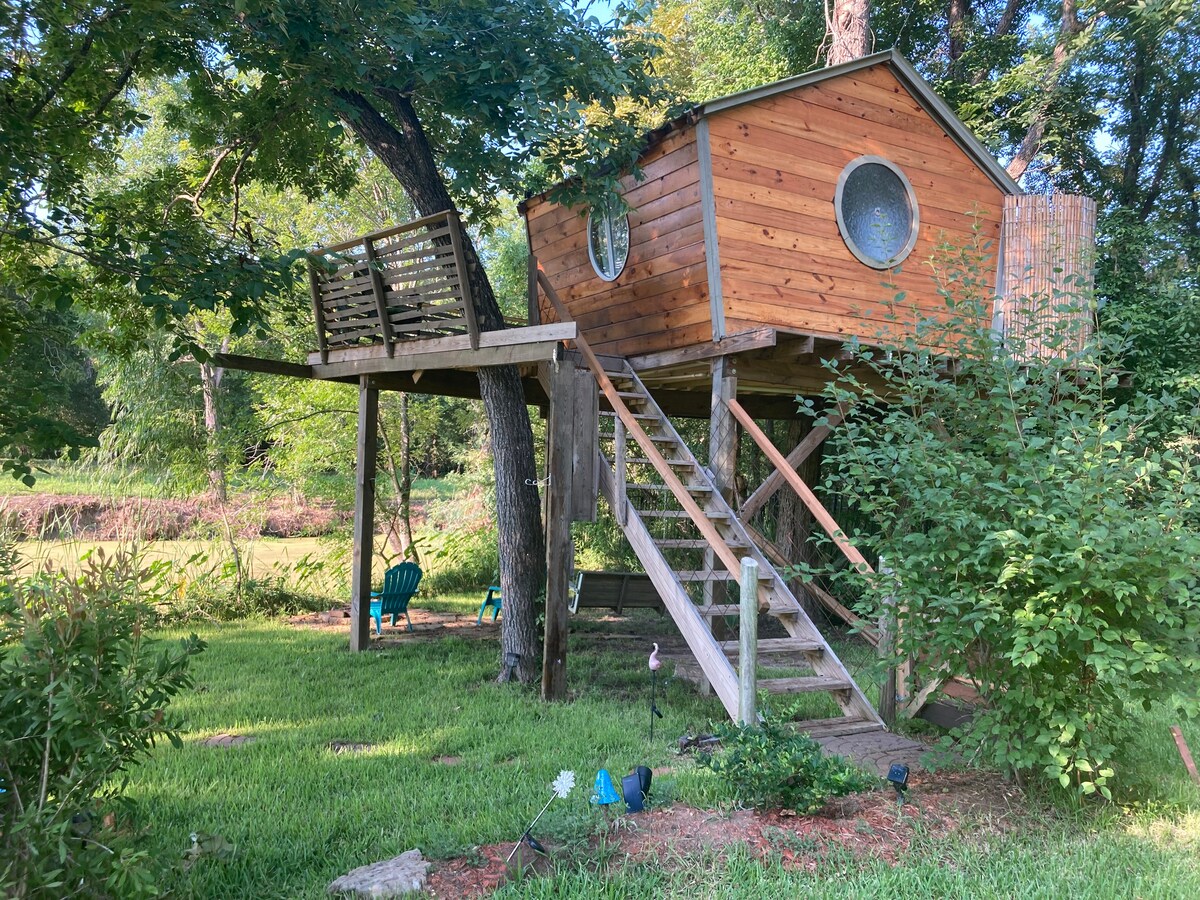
[(1069, 30)]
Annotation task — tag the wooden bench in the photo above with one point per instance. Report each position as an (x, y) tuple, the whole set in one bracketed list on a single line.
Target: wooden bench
[(615, 590)]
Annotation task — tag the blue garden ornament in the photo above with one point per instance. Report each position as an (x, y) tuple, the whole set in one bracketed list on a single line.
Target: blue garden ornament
[(603, 792)]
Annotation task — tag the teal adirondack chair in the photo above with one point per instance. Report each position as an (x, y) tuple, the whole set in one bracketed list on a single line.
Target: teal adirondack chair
[(399, 584)]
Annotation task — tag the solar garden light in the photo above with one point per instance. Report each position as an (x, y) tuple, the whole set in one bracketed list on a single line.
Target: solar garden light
[(511, 661), (561, 786), (897, 776)]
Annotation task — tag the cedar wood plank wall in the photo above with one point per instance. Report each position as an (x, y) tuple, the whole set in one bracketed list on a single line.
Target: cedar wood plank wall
[(776, 164), (660, 300)]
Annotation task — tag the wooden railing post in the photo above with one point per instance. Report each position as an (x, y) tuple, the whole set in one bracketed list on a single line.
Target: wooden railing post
[(314, 288), (619, 444), (748, 644), (464, 274), (887, 653), (377, 288)]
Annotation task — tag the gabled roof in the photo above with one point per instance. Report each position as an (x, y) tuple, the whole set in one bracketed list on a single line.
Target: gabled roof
[(926, 97)]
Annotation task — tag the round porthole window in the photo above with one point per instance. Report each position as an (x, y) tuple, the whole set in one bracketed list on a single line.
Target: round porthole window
[(608, 239), (876, 211)]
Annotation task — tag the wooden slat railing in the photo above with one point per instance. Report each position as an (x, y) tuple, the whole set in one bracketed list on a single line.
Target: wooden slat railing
[(398, 284)]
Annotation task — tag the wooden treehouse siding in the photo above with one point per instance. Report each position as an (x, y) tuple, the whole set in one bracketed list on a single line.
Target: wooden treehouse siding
[(660, 299), (776, 163)]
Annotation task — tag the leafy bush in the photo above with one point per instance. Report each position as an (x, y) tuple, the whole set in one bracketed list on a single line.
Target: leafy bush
[(83, 696), (225, 601), (1042, 535), (226, 588), (460, 560), (772, 765)]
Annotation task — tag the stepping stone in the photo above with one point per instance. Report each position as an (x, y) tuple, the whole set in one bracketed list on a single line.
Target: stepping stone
[(228, 740), (396, 877), (350, 746), (876, 750)]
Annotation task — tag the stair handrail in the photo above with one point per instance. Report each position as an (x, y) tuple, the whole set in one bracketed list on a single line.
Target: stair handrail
[(792, 477), (633, 427)]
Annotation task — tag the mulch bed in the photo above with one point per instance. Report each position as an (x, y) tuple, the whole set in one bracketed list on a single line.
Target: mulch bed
[(865, 825)]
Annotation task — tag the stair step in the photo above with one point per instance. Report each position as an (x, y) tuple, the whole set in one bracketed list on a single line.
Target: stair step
[(695, 544), (720, 609), (648, 417), (776, 647), (643, 461), (715, 515), (836, 727), (692, 488), (734, 609), (804, 684), (716, 575), (664, 439)]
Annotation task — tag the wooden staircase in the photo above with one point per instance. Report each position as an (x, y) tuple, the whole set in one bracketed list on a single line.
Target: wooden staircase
[(687, 556), (690, 543)]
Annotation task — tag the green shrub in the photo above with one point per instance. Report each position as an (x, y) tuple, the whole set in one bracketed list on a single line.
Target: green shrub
[(1043, 534), (773, 765), (460, 560), (83, 697), (224, 601), (224, 589)]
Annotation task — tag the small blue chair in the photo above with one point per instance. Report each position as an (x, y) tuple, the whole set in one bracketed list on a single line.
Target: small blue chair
[(494, 600), (399, 584)]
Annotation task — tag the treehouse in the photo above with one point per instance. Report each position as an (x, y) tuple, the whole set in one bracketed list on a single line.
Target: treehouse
[(764, 230), (771, 226)]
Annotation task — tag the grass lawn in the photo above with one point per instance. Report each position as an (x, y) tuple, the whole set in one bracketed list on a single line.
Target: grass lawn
[(459, 761)]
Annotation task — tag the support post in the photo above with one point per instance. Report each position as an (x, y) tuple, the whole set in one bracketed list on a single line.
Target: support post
[(887, 652), (559, 549), (364, 516), (722, 462), (531, 299), (748, 644)]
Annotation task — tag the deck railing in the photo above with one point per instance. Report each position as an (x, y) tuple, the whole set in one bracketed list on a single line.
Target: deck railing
[(394, 285)]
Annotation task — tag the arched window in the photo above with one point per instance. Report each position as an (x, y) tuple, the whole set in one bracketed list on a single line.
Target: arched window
[(876, 211), (608, 239)]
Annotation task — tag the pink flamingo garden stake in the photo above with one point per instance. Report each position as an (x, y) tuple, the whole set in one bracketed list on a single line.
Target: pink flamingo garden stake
[(655, 665)]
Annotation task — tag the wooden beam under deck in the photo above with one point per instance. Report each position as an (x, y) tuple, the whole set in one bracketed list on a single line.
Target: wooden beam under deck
[(496, 348), (772, 367)]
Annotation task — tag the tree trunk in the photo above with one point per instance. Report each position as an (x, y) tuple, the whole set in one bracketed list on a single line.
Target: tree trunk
[(958, 18), (210, 383), (404, 149), (399, 465), (848, 30)]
